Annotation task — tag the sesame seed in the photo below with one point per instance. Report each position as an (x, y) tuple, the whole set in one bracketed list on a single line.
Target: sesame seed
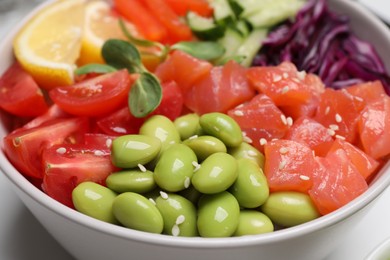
[(340, 137), (284, 119), (193, 137), (276, 77), (289, 121), (285, 75), (359, 98), (247, 139), (331, 132), (327, 110), (301, 75), (180, 219), (285, 89), (187, 182), (163, 195), (142, 168), (98, 153), (282, 164), (283, 150), (175, 230), (304, 177), (252, 153), (108, 142), (238, 113), (196, 165), (263, 141), (152, 200), (240, 106), (338, 118), (61, 150), (334, 127)]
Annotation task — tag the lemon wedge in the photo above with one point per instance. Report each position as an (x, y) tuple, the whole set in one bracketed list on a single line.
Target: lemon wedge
[(48, 46)]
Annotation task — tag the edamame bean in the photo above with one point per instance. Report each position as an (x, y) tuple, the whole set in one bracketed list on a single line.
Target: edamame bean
[(175, 168), (191, 194), (130, 150), (245, 150), (217, 173), (289, 208), (251, 187), (253, 222), (131, 180), (188, 125), (205, 145), (179, 215), (223, 127), (218, 215), (162, 128), (94, 200), (137, 212)]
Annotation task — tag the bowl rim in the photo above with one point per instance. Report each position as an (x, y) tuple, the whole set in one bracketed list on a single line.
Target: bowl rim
[(24, 186)]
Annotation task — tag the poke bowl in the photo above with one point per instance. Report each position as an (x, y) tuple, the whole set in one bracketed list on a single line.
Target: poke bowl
[(87, 237)]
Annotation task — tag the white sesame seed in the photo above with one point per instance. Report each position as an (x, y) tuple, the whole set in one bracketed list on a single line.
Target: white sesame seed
[(359, 98), (163, 195), (285, 75), (175, 230), (334, 127), (252, 153), (284, 119), (193, 137), (142, 168), (152, 200), (180, 219), (108, 142), (187, 182), (327, 110), (196, 165), (263, 141), (289, 121), (276, 77), (98, 153), (61, 150), (340, 137), (283, 150), (282, 164), (338, 118), (238, 113), (304, 177), (331, 132), (301, 75), (285, 89), (247, 139), (240, 106)]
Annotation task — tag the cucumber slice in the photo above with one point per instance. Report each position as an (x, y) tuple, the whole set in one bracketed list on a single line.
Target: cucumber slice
[(204, 28), (223, 14), (251, 46), (231, 41)]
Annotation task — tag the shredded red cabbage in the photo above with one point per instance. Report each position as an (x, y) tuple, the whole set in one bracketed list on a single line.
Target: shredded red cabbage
[(321, 42)]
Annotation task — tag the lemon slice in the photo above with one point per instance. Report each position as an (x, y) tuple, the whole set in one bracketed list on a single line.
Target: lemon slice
[(49, 44), (100, 25)]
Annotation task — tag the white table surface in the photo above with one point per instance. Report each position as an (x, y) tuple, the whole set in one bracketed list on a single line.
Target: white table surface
[(22, 237)]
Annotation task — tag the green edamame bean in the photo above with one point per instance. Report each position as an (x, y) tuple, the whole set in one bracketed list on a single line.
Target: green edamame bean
[(216, 174), (289, 208), (223, 127), (188, 125), (205, 145), (245, 150), (179, 215), (191, 194), (137, 212), (130, 150), (218, 215), (94, 200), (162, 128), (131, 180), (175, 168), (253, 222), (251, 187)]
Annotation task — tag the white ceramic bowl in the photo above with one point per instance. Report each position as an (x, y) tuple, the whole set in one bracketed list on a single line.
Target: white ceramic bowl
[(87, 238), (381, 252)]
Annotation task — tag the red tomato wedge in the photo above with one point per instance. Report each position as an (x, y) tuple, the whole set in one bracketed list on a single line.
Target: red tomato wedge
[(24, 147), (224, 88), (364, 163), (182, 7), (19, 93), (260, 118), (137, 13), (289, 166), (311, 133), (340, 110), (54, 112), (96, 96), (184, 69), (67, 165), (336, 182), (177, 29)]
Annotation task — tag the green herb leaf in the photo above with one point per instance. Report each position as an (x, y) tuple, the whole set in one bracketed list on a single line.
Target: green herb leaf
[(145, 95), (94, 68), (206, 50), (121, 54)]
